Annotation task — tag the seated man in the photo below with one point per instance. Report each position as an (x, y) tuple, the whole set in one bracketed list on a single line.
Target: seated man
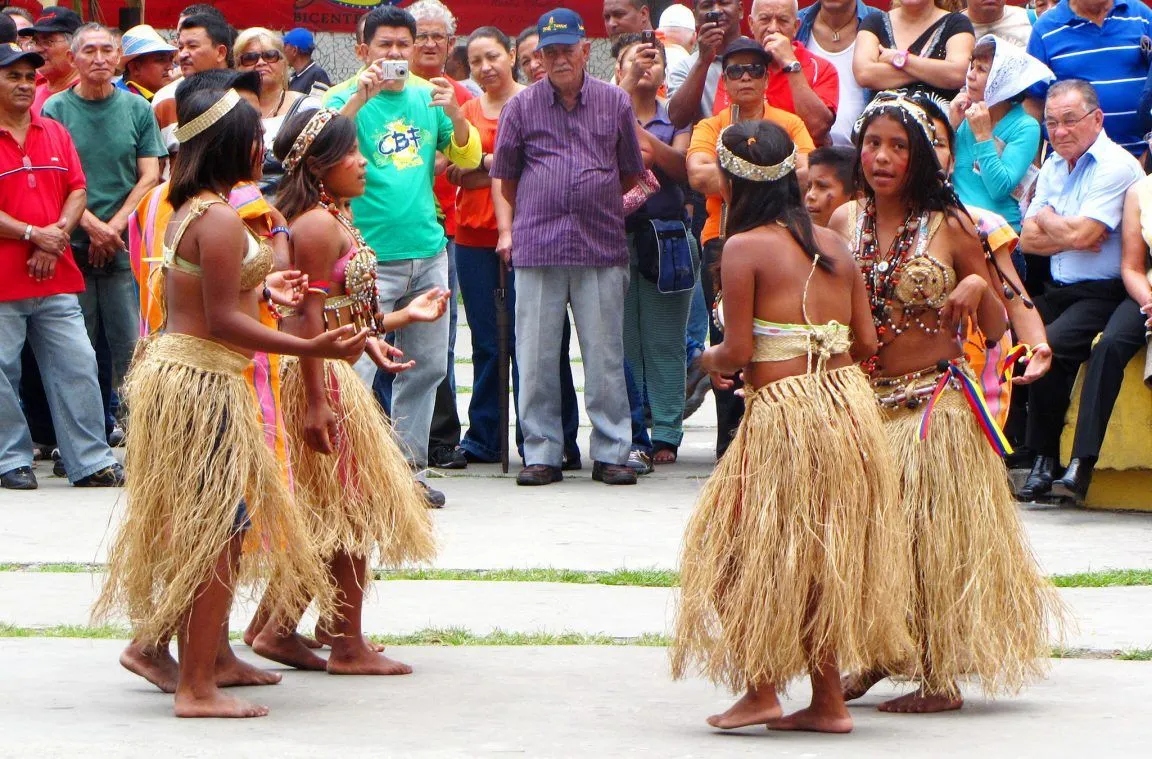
[(1074, 218)]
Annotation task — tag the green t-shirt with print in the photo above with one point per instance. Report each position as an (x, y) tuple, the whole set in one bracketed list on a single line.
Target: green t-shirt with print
[(400, 134), (110, 134)]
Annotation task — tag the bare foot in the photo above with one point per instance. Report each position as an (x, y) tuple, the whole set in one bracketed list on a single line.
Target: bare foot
[(234, 673), (365, 661), (815, 721), (288, 650), (155, 665), (753, 708), (664, 456), (216, 705), (919, 702), (860, 683), (325, 638)]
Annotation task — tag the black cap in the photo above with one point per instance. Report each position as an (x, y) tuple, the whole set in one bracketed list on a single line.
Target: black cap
[(10, 53), (56, 20), (7, 29), (745, 45)]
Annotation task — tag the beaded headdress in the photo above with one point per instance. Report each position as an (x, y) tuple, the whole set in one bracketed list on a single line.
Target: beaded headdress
[(217, 111), (893, 100), (307, 136), (753, 172)]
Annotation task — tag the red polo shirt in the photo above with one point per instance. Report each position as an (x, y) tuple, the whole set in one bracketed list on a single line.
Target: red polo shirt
[(34, 181), (821, 76)]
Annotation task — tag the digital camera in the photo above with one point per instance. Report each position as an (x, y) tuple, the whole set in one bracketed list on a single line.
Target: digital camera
[(394, 69), (713, 17)]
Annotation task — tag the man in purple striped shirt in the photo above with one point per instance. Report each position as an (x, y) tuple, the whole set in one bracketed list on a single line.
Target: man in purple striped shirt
[(565, 154)]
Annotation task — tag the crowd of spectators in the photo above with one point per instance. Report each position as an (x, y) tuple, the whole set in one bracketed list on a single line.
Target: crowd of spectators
[(501, 165)]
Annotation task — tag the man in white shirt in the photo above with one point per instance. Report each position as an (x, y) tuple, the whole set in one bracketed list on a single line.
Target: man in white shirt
[(1007, 22)]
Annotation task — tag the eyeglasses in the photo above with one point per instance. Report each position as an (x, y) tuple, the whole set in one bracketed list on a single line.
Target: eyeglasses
[(436, 37), (738, 70), (268, 56), (1052, 126)]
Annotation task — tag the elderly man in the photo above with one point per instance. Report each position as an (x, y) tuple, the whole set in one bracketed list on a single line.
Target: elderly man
[(1075, 219), (1008, 22), (401, 128), (299, 45), (52, 38), (1101, 41), (828, 28), (147, 61), (42, 197), (579, 133), (122, 164), (678, 25)]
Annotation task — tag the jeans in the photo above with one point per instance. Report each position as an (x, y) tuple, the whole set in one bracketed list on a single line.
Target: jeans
[(597, 298), (636, 403), (111, 308), (413, 391), (479, 270), (54, 327)]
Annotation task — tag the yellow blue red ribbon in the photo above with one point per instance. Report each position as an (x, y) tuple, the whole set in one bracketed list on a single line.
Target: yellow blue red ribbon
[(976, 402)]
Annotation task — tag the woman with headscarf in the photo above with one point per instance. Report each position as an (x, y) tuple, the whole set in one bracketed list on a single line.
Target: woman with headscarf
[(996, 140)]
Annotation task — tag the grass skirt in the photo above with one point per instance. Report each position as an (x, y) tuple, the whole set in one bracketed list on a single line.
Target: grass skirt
[(362, 499), (195, 449), (980, 604), (797, 548)]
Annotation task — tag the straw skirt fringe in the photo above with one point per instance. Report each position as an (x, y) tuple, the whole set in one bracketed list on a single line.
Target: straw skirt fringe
[(196, 449), (797, 548), (362, 499), (980, 604)]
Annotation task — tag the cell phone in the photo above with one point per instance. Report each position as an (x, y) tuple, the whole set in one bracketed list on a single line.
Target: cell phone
[(394, 69), (648, 37), (713, 17)]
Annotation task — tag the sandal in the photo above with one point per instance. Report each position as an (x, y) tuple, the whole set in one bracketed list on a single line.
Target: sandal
[(664, 453)]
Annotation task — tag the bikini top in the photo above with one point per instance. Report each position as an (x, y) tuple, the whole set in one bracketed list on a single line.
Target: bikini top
[(255, 267), (774, 341), (919, 281)]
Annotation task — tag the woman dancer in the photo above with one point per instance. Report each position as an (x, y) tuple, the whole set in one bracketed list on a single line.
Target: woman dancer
[(791, 568), (350, 476), (980, 605), (200, 473)]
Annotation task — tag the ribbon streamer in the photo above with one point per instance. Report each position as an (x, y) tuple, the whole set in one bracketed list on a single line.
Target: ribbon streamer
[(1021, 352), (976, 402)]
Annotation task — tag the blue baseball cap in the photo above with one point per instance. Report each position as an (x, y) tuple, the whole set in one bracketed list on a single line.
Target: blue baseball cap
[(301, 39), (560, 27)]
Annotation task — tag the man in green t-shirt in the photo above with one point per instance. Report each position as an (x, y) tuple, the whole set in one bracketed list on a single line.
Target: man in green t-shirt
[(400, 129), (119, 147)]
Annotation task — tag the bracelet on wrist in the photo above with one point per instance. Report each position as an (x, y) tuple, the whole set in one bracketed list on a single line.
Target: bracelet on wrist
[(278, 229)]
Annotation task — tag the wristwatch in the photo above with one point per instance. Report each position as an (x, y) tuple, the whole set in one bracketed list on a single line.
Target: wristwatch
[(791, 68), (900, 59), (28, 232)]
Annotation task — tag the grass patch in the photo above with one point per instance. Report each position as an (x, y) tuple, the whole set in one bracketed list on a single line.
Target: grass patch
[(647, 578), (1106, 578), (59, 568)]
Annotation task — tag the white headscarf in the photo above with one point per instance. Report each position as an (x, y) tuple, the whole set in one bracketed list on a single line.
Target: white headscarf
[(1012, 71)]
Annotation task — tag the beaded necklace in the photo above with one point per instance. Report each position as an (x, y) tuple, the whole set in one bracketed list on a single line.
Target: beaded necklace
[(361, 293)]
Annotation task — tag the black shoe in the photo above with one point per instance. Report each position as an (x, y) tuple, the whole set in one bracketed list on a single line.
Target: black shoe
[(20, 478), (640, 462), (571, 462), (1074, 484), (1039, 480), (116, 438), (108, 477), (613, 474), (58, 469), (539, 474), (433, 499), (443, 457)]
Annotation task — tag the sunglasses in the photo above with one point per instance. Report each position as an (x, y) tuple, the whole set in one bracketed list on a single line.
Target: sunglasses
[(251, 59), (738, 70)]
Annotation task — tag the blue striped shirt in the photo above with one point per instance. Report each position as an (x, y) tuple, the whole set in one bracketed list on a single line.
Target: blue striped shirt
[(1108, 56)]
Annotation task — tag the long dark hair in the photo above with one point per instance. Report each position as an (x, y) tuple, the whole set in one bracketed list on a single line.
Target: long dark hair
[(300, 188), (755, 204), (219, 157)]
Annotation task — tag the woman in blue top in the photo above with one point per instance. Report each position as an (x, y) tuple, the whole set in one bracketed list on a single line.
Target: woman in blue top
[(996, 140)]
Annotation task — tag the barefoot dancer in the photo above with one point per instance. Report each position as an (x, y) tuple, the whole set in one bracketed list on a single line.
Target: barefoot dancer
[(199, 471), (980, 605), (791, 564), (350, 477)]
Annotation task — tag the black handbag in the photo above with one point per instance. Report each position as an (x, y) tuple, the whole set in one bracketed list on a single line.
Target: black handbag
[(664, 254)]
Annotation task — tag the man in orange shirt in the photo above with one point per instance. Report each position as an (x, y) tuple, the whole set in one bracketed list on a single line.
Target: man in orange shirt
[(745, 75)]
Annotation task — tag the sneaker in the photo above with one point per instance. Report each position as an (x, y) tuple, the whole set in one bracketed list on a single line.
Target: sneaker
[(20, 478), (108, 477), (613, 474), (640, 462), (58, 469), (433, 498), (444, 457)]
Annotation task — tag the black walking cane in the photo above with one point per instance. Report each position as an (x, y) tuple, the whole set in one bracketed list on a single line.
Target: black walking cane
[(501, 297)]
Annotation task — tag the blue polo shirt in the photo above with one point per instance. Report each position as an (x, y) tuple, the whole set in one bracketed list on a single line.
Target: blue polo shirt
[(1094, 188), (1107, 56), (808, 18)]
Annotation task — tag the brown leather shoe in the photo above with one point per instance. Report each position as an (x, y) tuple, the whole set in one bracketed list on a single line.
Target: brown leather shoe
[(539, 474), (613, 474)]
